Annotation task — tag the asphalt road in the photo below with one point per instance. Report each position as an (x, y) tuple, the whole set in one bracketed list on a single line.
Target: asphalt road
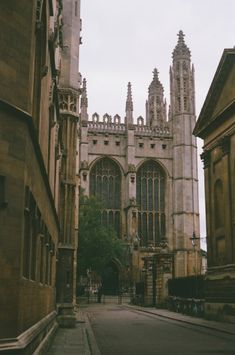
[(120, 331)]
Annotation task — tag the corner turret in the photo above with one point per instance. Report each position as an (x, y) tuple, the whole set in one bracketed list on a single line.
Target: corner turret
[(156, 104), (182, 79)]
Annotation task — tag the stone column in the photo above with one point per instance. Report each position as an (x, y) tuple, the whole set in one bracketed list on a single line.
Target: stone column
[(69, 91)]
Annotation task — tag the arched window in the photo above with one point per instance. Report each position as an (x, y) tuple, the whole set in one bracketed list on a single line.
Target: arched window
[(105, 183), (219, 204), (151, 200)]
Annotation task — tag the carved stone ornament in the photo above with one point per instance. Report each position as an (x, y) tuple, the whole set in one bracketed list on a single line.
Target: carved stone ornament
[(68, 100), (163, 245), (84, 165), (206, 158), (84, 174), (39, 14), (131, 168), (132, 177), (132, 201)]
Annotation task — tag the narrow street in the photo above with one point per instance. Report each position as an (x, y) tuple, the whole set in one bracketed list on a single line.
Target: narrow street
[(122, 331)]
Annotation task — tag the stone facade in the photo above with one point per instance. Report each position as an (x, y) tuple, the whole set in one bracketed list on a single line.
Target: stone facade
[(153, 165), (216, 125), (32, 163), (69, 91)]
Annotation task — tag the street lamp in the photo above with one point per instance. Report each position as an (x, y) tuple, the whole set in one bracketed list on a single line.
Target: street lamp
[(194, 240)]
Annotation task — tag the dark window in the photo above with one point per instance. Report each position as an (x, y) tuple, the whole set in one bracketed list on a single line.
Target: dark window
[(32, 225), (33, 237), (105, 183), (2, 191), (27, 232), (178, 84), (47, 253), (185, 83), (150, 194), (185, 103), (41, 267), (179, 103)]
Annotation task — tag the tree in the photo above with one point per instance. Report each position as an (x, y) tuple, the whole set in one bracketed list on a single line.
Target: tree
[(97, 244)]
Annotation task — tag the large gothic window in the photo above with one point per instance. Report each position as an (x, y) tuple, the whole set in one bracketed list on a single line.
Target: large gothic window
[(105, 183), (151, 200)]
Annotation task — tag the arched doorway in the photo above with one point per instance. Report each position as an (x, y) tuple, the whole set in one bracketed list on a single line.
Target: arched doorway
[(111, 279)]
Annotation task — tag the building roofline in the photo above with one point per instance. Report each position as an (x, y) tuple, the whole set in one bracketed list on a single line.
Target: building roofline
[(205, 119)]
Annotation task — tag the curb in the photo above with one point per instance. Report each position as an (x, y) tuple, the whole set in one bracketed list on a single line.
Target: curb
[(211, 327), (94, 350)]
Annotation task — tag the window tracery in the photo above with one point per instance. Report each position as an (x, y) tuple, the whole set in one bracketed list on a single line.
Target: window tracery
[(151, 200), (105, 183)]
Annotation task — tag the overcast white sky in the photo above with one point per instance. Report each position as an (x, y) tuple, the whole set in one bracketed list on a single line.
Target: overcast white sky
[(124, 40)]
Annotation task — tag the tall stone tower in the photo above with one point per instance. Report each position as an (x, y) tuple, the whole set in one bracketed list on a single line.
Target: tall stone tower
[(184, 154), (150, 167), (69, 111)]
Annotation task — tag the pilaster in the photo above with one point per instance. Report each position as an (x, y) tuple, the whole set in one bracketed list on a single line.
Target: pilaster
[(69, 107)]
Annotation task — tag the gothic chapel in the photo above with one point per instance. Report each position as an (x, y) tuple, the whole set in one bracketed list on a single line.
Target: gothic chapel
[(146, 175)]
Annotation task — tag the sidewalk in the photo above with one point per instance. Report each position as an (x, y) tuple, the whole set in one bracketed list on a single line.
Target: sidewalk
[(81, 340), (223, 327)]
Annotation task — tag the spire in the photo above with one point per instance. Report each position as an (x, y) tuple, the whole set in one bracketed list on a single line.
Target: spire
[(129, 102), (155, 106), (155, 84), (181, 50), (84, 101), (182, 79), (155, 74), (129, 105)]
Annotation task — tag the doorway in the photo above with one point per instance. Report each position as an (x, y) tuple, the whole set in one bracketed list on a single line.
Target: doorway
[(110, 279)]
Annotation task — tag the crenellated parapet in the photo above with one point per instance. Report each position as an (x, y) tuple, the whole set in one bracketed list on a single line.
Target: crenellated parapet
[(157, 131), (107, 123)]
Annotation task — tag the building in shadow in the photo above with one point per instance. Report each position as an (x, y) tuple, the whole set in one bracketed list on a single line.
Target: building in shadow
[(39, 90), (216, 126)]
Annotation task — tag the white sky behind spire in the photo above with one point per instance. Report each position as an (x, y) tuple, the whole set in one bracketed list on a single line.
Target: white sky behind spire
[(125, 40)]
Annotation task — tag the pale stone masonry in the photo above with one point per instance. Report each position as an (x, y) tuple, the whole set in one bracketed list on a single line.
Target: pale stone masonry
[(156, 173)]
